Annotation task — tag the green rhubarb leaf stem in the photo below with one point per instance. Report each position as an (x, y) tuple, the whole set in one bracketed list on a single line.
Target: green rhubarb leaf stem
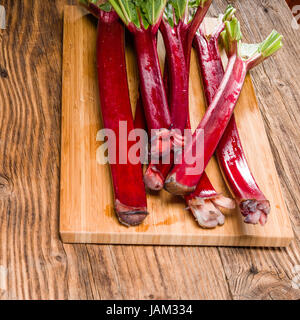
[(227, 16), (252, 54), (229, 13), (265, 49), (271, 45), (232, 36)]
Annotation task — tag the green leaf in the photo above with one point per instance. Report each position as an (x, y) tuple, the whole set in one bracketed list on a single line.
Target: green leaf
[(129, 11), (105, 6), (175, 8), (179, 8), (151, 9), (169, 14)]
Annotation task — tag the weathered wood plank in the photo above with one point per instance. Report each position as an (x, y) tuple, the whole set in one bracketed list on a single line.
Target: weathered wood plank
[(39, 266), (267, 274)]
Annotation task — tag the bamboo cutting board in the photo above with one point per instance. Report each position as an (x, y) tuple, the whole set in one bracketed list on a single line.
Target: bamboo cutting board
[(86, 208)]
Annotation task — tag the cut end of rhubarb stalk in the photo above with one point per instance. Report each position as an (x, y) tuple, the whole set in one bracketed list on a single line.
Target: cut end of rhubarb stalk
[(255, 211), (130, 216), (153, 179), (172, 186), (223, 202), (206, 211)]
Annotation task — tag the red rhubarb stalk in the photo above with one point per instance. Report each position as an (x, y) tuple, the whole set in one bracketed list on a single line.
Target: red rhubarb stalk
[(127, 179), (176, 85), (180, 181), (142, 19), (141, 124), (177, 75), (206, 212), (252, 202), (139, 118), (178, 30), (195, 13), (204, 202)]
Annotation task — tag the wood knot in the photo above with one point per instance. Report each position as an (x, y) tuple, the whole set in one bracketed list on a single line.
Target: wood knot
[(58, 258), (253, 270), (5, 186), (3, 73)]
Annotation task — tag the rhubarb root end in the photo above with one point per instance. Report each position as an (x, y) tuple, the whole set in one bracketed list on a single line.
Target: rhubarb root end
[(207, 214), (255, 211), (206, 211), (178, 189), (153, 180), (130, 216), (131, 219)]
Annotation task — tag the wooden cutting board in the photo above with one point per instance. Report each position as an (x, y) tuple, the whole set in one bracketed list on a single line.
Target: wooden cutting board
[(86, 208)]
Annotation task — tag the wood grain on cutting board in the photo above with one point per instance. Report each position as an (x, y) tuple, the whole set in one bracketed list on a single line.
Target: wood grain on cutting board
[(86, 213)]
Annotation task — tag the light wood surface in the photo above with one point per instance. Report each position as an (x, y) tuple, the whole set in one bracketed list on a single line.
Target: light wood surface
[(87, 214), (39, 266)]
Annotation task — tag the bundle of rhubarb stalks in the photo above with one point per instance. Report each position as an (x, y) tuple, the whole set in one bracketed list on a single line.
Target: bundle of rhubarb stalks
[(163, 106)]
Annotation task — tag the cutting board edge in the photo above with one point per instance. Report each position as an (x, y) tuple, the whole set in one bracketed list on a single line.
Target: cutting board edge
[(181, 240), (202, 240)]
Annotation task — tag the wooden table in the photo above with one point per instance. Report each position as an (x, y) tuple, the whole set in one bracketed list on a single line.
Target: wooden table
[(34, 264)]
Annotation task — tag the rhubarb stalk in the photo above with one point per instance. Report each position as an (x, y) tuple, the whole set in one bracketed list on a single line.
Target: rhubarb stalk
[(176, 85), (178, 30), (142, 18), (218, 114), (127, 179), (252, 202), (204, 202), (195, 14)]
